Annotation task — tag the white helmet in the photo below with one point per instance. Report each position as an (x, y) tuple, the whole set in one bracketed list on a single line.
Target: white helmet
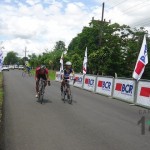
[(68, 63)]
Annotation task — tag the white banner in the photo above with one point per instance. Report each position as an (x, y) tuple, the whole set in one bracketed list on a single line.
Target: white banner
[(79, 80), (124, 89), (143, 93), (58, 76), (89, 82), (104, 86)]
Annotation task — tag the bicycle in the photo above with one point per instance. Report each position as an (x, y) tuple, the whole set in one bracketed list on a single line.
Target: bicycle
[(41, 90), (26, 72), (66, 92)]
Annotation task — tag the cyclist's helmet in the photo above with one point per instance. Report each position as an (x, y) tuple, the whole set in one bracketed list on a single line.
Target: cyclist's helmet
[(42, 66), (68, 63)]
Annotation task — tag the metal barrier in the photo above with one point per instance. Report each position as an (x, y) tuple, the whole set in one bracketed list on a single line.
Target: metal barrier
[(128, 90), (104, 85), (143, 93), (124, 89), (79, 80), (89, 82)]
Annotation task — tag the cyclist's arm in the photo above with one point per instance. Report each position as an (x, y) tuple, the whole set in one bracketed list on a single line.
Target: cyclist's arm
[(47, 75), (36, 74), (73, 73)]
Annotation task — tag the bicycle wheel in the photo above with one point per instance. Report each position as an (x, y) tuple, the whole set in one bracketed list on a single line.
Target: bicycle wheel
[(23, 74), (42, 95), (39, 96), (69, 98)]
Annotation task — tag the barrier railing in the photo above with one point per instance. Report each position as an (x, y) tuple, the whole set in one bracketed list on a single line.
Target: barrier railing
[(79, 80), (143, 93), (128, 90), (124, 89), (89, 82), (104, 85)]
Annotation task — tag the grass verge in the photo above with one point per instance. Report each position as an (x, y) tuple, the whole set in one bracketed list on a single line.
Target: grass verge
[(52, 74)]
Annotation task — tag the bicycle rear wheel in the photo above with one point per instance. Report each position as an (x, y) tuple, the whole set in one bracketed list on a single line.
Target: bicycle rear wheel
[(40, 97), (23, 74), (69, 98)]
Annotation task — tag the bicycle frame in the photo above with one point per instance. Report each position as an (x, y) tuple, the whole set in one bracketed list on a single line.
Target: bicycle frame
[(26, 72), (67, 92), (41, 89)]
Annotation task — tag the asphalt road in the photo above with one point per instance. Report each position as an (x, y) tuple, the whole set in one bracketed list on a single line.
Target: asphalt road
[(92, 122)]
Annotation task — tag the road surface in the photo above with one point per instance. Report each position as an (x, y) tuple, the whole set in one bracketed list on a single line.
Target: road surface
[(92, 122)]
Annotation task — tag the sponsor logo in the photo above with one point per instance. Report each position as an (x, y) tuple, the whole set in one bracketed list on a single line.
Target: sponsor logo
[(126, 89), (145, 92), (105, 85), (79, 80), (89, 82)]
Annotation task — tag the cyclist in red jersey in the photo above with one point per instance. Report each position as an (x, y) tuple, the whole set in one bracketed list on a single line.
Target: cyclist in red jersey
[(41, 72)]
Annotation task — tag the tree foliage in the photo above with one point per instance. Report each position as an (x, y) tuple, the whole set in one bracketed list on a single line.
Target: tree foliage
[(112, 48), (11, 58)]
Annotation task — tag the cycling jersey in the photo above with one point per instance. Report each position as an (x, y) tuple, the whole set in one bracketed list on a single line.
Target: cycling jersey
[(41, 73), (67, 74)]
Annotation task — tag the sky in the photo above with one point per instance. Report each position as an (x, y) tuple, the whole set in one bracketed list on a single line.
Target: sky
[(39, 24)]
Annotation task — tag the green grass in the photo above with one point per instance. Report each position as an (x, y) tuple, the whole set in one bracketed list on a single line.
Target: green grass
[(51, 74), (1, 94)]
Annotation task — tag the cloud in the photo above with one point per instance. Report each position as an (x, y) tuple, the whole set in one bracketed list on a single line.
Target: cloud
[(38, 24)]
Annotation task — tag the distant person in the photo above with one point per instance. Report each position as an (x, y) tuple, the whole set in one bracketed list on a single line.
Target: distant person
[(28, 67), (41, 72)]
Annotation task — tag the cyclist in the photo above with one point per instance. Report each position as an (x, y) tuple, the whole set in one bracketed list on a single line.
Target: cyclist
[(66, 73), (27, 66), (41, 72)]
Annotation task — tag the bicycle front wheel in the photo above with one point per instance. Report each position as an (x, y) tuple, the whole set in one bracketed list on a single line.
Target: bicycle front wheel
[(40, 97), (69, 97)]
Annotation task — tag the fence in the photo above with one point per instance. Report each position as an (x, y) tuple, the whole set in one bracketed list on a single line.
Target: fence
[(124, 89)]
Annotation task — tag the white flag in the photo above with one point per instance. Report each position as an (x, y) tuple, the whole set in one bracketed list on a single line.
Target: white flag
[(61, 63), (1, 60), (142, 61), (85, 62)]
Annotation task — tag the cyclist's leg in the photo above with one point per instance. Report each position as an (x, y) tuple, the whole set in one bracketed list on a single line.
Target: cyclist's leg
[(61, 87), (68, 89), (44, 78), (37, 86)]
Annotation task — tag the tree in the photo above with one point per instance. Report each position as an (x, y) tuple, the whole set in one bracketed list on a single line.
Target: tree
[(76, 63), (11, 58), (60, 46), (112, 48)]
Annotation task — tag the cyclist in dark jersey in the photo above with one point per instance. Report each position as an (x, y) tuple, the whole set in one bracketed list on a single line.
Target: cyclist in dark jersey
[(41, 72), (66, 73)]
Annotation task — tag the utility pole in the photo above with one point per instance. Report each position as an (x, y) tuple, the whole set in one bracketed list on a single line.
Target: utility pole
[(25, 53), (103, 6)]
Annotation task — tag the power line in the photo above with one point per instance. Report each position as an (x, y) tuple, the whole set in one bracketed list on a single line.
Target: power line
[(131, 8), (116, 5), (143, 22)]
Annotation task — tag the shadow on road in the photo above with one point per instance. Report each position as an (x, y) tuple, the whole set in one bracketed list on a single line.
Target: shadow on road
[(44, 101)]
